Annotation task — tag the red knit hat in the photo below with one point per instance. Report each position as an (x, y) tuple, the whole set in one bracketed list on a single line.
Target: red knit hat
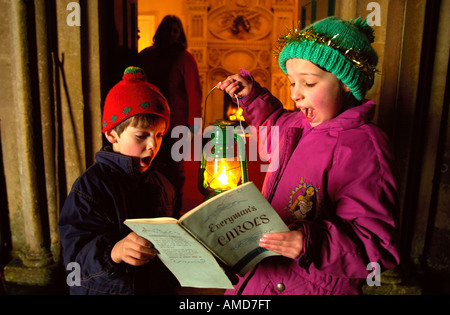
[(132, 96)]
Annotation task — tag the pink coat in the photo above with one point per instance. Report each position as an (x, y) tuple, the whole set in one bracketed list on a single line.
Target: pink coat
[(336, 182)]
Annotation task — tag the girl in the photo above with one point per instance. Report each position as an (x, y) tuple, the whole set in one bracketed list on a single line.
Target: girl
[(330, 145)]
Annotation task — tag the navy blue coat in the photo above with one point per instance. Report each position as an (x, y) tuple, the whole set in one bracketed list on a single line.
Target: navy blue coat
[(91, 223)]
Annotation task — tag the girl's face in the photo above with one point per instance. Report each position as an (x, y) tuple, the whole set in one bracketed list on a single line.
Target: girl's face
[(317, 93), (142, 144)]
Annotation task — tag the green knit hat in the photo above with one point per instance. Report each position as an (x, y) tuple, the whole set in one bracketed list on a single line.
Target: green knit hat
[(338, 46)]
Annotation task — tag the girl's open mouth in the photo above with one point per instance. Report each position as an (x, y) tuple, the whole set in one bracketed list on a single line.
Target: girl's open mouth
[(309, 113)]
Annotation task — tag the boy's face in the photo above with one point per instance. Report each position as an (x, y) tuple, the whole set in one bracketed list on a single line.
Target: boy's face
[(142, 144), (317, 93)]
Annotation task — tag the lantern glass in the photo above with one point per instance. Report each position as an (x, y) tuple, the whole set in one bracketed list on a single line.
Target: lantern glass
[(225, 167), (221, 174)]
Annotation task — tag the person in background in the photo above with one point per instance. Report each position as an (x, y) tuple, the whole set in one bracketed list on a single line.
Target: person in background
[(171, 68), (331, 151)]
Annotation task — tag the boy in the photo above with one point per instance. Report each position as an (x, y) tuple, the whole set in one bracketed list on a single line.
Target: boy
[(121, 184)]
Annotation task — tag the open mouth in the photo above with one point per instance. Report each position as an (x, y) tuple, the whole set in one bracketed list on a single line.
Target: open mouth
[(145, 162), (309, 113)]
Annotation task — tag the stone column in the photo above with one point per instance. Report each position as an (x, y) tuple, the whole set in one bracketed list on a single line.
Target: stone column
[(30, 248), (72, 102), (50, 114), (49, 128)]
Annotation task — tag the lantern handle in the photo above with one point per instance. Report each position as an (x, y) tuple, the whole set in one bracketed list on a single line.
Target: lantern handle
[(239, 107)]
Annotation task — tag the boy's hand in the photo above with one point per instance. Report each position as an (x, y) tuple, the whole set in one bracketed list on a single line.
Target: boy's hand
[(235, 85), (133, 250), (287, 244)]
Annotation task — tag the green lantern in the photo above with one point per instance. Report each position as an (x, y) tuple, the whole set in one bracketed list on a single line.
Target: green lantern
[(224, 160)]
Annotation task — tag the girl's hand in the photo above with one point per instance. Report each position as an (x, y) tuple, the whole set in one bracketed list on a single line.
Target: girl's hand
[(235, 85), (288, 244), (133, 250)]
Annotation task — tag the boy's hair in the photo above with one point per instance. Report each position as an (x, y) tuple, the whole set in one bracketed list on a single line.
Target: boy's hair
[(137, 121), (133, 96)]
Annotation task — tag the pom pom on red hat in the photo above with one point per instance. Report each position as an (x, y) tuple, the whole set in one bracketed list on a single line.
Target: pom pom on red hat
[(133, 96)]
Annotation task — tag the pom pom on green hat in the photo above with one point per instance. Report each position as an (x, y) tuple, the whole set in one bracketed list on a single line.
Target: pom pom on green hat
[(338, 46)]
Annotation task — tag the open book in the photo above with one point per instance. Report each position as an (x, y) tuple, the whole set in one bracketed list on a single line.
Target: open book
[(227, 226)]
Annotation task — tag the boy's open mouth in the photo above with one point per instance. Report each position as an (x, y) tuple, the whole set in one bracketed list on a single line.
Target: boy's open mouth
[(145, 162)]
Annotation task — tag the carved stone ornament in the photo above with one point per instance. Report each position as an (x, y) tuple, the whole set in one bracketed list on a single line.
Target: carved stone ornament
[(239, 24)]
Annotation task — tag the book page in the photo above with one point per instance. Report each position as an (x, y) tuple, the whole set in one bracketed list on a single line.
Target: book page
[(191, 263), (232, 223)]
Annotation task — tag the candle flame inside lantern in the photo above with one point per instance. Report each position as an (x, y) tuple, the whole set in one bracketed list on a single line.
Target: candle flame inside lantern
[(222, 174), (223, 178)]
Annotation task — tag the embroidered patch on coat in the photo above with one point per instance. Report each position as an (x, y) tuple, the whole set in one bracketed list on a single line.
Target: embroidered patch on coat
[(303, 201)]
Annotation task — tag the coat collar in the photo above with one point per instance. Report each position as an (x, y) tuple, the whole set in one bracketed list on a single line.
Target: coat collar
[(121, 163), (351, 118)]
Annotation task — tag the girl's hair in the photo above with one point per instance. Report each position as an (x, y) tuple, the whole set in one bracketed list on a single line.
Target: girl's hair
[(349, 99), (161, 39), (138, 121)]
